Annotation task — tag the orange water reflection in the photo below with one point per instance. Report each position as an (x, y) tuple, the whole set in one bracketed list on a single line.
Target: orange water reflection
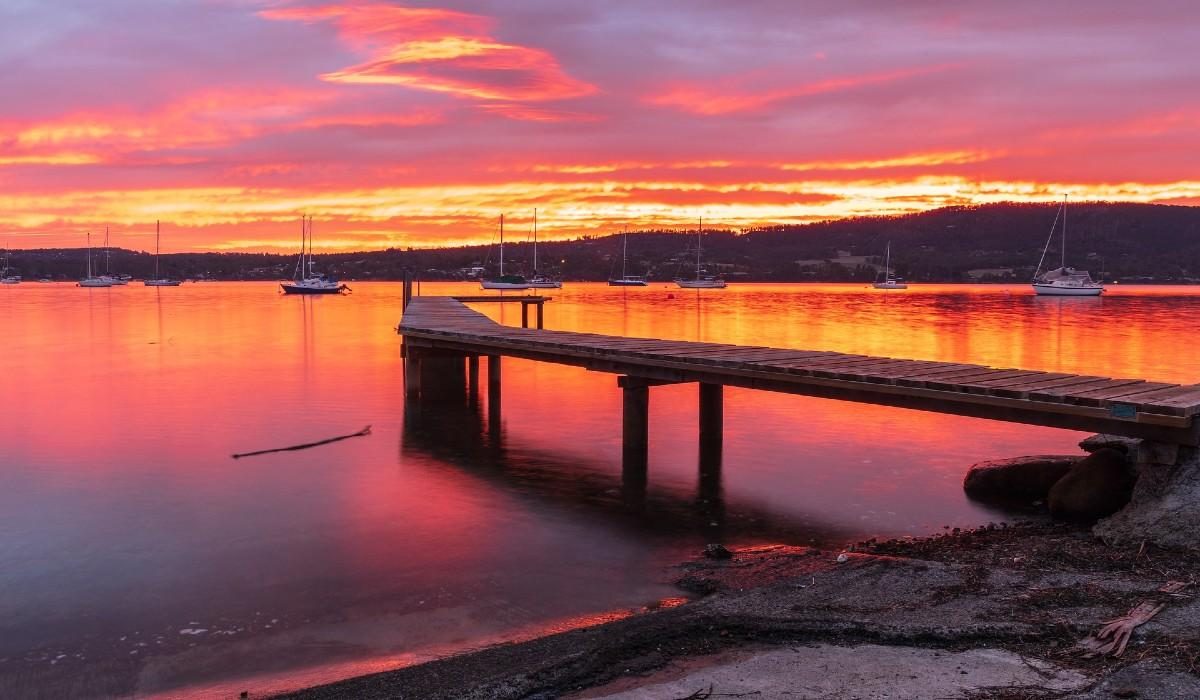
[(122, 515)]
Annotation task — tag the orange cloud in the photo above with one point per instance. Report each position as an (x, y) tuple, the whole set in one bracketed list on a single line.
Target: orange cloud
[(707, 100), (439, 51)]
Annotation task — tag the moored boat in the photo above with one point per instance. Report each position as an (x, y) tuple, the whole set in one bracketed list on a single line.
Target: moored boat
[(159, 281), (890, 280), (504, 282), (1063, 281), (626, 280), (305, 280), (91, 280), (702, 280)]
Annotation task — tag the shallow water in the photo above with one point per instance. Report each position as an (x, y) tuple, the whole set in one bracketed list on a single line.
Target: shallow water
[(125, 526)]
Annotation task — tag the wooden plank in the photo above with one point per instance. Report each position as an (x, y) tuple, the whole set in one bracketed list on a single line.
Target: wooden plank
[(1010, 381), (1059, 393), (1177, 401), (958, 383), (920, 380), (1100, 397), (1021, 391)]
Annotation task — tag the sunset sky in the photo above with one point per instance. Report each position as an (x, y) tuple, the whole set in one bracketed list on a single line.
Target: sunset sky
[(418, 123)]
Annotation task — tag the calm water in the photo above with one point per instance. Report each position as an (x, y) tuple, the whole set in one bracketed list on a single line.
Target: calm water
[(125, 526)]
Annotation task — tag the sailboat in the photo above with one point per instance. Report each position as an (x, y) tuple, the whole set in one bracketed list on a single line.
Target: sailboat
[(890, 280), (1064, 281), (91, 280), (504, 281), (304, 280), (159, 281), (108, 275), (626, 280), (703, 280), (539, 281), (6, 276)]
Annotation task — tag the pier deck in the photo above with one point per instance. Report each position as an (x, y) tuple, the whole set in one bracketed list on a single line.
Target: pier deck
[(1156, 411)]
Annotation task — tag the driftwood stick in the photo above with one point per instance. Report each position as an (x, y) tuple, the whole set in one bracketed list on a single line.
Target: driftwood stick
[(305, 446)]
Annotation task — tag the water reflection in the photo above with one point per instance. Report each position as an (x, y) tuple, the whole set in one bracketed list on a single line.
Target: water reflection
[(446, 423)]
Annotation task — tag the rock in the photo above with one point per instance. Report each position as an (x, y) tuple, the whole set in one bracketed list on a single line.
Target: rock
[(717, 551), (1148, 680), (1016, 481), (1164, 508), (1096, 487), (1117, 442)]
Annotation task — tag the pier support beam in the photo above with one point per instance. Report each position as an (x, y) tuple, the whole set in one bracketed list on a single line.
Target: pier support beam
[(493, 371), (524, 315), (412, 373), (473, 379), (635, 430), (712, 416)]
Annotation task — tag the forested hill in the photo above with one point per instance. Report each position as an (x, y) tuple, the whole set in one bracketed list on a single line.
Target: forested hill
[(997, 242)]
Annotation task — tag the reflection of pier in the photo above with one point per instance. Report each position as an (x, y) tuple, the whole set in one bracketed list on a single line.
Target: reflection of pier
[(440, 332), (449, 422)]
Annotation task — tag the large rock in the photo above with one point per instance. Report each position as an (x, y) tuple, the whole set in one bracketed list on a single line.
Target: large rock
[(1097, 486), (1022, 480), (1121, 443), (1164, 508)]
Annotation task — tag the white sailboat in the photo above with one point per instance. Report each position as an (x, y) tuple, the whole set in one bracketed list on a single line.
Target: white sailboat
[(1063, 281), (91, 280), (305, 280), (540, 281), (703, 280), (159, 281), (115, 280), (504, 282), (626, 280), (890, 280), (6, 275)]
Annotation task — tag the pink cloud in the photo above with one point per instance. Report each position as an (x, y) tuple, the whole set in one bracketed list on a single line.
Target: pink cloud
[(440, 51), (728, 96)]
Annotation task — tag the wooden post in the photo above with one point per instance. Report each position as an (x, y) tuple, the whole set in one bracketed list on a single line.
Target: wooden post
[(712, 414), (407, 290), (524, 314), (493, 366), (412, 374), (473, 376), (540, 304), (635, 429)]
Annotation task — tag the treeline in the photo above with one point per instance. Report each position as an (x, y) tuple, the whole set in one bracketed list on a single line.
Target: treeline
[(996, 242)]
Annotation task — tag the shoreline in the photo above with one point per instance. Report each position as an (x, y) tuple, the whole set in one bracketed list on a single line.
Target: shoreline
[(1031, 590)]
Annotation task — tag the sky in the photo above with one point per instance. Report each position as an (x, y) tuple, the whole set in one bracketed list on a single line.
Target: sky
[(399, 124)]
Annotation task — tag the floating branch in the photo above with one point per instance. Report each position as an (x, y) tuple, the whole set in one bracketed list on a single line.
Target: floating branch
[(305, 446)]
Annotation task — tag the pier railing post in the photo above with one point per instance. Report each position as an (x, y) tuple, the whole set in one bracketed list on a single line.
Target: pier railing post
[(540, 306), (524, 314)]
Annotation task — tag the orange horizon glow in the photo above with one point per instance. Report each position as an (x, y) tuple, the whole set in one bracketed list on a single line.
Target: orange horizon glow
[(398, 126)]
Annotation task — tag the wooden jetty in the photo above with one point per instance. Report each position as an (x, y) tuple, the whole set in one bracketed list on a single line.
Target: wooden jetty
[(444, 331)]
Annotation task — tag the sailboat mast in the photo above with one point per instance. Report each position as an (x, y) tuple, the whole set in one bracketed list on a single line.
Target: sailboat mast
[(624, 250), (501, 245), (89, 257), (535, 240), (887, 262), (157, 252), (1064, 245), (108, 253), (699, 238)]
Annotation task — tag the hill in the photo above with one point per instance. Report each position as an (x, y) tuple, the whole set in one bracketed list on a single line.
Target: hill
[(995, 242)]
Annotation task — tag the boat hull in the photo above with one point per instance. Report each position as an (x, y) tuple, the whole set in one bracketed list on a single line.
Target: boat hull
[(162, 283), (94, 283), (628, 283), (700, 284), (890, 285), (1050, 290), (503, 285), (544, 285), (297, 289)]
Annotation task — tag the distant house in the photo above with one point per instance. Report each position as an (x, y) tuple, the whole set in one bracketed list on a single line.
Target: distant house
[(983, 273)]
